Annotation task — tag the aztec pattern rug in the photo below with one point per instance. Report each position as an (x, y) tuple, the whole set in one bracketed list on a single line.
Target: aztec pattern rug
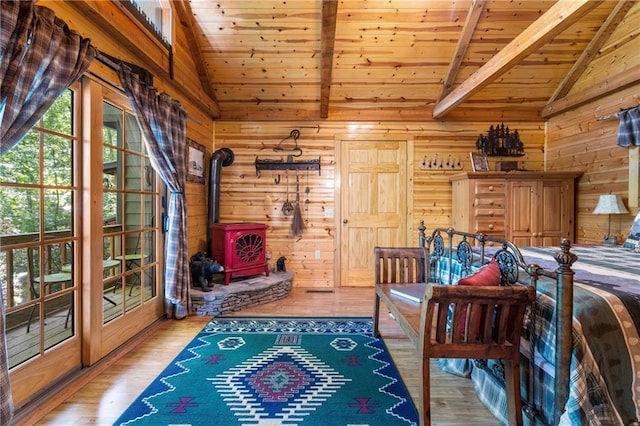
[(278, 371)]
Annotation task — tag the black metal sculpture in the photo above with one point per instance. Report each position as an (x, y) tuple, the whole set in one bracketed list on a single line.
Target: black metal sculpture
[(500, 142)]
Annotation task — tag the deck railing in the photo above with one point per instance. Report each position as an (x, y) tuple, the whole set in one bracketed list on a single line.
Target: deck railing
[(58, 252)]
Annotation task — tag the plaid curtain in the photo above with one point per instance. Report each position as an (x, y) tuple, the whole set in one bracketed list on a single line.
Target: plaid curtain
[(39, 58), (629, 130), (164, 124)]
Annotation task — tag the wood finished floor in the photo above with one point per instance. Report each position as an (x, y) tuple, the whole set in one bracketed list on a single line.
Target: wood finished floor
[(104, 391)]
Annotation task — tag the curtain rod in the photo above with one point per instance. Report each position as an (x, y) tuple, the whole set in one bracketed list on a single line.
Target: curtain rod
[(607, 117), (113, 63), (146, 76), (610, 116), (107, 60)]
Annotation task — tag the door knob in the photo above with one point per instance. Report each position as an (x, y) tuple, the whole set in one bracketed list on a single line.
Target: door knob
[(345, 221)]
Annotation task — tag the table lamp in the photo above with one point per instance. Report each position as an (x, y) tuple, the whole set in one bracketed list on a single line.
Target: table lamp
[(610, 204)]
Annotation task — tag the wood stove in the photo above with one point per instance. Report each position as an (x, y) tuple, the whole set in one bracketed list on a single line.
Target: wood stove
[(240, 248)]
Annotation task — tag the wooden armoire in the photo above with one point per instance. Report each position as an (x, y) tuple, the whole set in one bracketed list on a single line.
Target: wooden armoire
[(527, 208)]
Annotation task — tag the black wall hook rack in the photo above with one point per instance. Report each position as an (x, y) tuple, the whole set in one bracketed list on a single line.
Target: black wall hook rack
[(287, 165)]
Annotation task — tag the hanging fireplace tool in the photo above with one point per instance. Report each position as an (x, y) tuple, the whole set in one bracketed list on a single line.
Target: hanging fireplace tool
[(287, 207), (297, 224)]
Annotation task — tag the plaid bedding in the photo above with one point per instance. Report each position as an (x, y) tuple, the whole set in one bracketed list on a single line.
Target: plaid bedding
[(605, 363)]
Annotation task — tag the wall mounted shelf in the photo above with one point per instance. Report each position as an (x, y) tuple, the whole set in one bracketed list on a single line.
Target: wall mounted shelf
[(287, 165)]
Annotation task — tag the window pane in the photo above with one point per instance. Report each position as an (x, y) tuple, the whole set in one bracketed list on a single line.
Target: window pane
[(59, 117), (14, 277), (21, 164), (134, 172), (112, 125), (58, 324), (57, 161), (133, 134), (110, 167), (149, 176), (149, 218), (110, 207), (58, 210), (20, 211), (148, 285), (133, 219)]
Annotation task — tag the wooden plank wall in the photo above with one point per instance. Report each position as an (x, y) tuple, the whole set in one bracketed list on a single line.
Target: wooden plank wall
[(247, 197), (577, 140)]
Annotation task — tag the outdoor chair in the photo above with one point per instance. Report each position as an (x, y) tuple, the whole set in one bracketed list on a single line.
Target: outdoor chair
[(134, 260), (49, 282)]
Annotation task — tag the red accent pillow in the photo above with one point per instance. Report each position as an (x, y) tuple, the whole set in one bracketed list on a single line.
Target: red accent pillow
[(488, 275)]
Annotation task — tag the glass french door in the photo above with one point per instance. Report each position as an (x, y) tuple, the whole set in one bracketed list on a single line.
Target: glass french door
[(129, 212), (39, 240), (122, 237)]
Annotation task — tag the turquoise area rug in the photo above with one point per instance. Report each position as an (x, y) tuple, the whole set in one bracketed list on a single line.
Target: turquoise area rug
[(278, 371)]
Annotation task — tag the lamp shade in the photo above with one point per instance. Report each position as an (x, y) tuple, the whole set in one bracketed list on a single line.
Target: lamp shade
[(610, 204)]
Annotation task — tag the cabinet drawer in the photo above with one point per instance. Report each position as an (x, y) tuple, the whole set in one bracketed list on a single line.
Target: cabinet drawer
[(489, 201), (490, 187), (496, 212), (489, 226)]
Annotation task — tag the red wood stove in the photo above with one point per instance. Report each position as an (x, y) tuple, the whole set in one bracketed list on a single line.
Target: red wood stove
[(240, 248)]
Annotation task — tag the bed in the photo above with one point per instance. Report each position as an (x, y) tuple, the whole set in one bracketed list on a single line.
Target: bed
[(599, 338)]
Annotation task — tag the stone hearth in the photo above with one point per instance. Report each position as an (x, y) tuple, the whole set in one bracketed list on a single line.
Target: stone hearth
[(240, 294)]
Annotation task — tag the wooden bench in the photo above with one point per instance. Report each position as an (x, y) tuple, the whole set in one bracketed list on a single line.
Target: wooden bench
[(452, 321)]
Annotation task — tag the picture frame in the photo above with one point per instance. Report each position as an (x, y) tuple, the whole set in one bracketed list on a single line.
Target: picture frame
[(196, 166), (479, 162)]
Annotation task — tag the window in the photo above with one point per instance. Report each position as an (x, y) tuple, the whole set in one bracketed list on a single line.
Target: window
[(154, 15)]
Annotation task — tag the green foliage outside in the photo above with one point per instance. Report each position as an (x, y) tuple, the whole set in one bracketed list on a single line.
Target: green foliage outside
[(20, 171), (32, 197)]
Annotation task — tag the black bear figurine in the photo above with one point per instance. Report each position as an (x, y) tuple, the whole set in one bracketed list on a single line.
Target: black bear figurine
[(280, 267), (202, 270)]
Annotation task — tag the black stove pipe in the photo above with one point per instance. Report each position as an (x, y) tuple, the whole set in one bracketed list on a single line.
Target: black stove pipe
[(221, 158)]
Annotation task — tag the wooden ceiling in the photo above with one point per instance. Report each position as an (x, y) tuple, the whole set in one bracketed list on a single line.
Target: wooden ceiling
[(407, 60)]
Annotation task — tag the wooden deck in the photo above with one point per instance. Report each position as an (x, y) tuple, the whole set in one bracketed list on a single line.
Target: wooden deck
[(58, 325)]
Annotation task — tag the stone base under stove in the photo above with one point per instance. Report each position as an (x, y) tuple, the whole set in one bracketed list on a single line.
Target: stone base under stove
[(241, 294)]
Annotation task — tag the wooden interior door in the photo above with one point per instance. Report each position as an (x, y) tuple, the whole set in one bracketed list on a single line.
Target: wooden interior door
[(523, 217), (556, 201), (373, 204)]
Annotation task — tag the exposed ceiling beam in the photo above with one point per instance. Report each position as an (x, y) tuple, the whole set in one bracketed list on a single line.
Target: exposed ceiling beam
[(183, 11), (327, 41), (598, 40), (609, 85), (473, 16), (558, 18)]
